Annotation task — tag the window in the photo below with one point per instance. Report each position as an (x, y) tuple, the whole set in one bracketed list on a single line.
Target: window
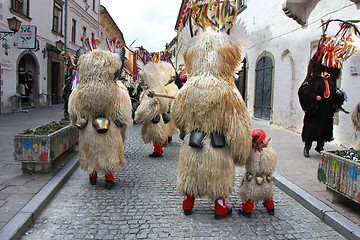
[(84, 32), (21, 6), (57, 17), (73, 31), (94, 5), (240, 5)]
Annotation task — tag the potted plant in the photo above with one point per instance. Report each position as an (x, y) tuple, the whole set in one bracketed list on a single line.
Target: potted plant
[(37, 148), (339, 170)]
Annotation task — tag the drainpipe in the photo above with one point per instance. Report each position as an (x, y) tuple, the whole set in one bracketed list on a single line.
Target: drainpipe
[(66, 19)]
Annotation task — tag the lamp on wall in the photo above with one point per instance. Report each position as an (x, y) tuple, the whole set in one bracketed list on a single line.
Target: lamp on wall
[(59, 46), (14, 25)]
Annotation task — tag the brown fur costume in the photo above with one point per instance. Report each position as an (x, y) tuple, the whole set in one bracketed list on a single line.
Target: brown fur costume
[(99, 95), (153, 78), (259, 164), (211, 103)]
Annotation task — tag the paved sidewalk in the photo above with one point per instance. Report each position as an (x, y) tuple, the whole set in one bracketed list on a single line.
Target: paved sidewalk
[(16, 187), (27, 194)]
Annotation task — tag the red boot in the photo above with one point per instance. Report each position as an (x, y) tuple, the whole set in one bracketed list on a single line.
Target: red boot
[(158, 150), (247, 208), (269, 204), (93, 178), (221, 209), (109, 181), (188, 204)]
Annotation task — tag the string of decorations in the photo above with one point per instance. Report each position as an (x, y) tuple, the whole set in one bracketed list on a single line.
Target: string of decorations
[(113, 45), (334, 51), (219, 15)]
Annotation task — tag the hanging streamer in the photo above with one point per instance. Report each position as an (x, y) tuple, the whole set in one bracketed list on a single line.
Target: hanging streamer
[(219, 15), (334, 51)]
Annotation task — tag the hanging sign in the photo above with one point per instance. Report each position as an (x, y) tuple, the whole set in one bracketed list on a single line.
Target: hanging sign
[(27, 37)]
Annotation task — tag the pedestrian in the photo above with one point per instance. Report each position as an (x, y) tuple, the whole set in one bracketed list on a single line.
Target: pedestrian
[(28, 83), (66, 93), (320, 98), (257, 183), (214, 122), (22, 82)]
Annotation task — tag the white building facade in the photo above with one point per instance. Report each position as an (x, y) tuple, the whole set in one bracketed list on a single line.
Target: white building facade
[(279, 38), (54, 21)]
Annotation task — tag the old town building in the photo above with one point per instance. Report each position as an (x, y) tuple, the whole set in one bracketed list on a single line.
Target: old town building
[(47, 29), (279, 37)]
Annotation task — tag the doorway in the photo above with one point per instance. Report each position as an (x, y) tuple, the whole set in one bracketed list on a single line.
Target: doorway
[(263, 88), (55, 81)]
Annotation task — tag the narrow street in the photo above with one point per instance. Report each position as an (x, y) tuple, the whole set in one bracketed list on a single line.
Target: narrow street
[(144, 205)]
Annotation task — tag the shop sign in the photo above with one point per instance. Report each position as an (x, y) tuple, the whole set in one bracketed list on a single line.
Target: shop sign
[(27, 37)]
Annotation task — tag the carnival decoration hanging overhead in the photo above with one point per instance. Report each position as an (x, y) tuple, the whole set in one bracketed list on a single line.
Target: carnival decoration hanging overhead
[(334, 51), (90, 43), (113, 44), (219, 15)]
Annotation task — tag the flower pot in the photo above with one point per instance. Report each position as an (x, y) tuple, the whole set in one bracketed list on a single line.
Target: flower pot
[(37, 152), (340, 175)]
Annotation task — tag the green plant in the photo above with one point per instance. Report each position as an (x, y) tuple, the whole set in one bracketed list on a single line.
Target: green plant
[(350, 154), (47, 128)]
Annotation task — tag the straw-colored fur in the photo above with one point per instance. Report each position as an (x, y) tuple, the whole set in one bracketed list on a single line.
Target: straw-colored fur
[(355, 117), (99, 95), (155, 76), (259, 164), (172, 90), (211, 103)]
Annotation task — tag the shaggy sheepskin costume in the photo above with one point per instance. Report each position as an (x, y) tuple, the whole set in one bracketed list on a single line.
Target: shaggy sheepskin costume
[(99, 98), (213, 120), (257, 183), (355, 117), (171, 90), (152, 113)]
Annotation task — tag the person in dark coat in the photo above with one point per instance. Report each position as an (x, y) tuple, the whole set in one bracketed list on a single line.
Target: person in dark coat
[(320, 98)]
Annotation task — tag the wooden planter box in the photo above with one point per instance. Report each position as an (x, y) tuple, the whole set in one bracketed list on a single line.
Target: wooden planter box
[(340, 176), (37, 152)]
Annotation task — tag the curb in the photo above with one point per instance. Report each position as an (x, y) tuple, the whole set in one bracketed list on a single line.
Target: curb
[(326, 214), (18, 225)]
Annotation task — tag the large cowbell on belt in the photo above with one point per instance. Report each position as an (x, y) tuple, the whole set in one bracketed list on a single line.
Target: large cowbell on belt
[(196, 138), (101, 124)]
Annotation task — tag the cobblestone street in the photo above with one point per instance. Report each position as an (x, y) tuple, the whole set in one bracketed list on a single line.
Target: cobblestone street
[(144, 205)]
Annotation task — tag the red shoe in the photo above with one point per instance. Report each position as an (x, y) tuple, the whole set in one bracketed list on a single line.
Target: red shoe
[(188, 204), (93, 178), (221, 209), (247, 208), (269, 204), (109, 181)]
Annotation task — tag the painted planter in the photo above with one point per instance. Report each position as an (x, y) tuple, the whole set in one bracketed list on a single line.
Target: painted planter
[(37, 152), (340, 176)]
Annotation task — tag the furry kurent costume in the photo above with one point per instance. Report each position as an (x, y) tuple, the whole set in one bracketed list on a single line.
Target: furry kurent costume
[(171, 90), (100, 106), (257, 183), (213, 120), (152, 113), (355, 117)]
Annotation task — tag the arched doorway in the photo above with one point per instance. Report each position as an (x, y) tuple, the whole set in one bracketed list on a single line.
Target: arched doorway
[(263, 88), (28, 63)]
